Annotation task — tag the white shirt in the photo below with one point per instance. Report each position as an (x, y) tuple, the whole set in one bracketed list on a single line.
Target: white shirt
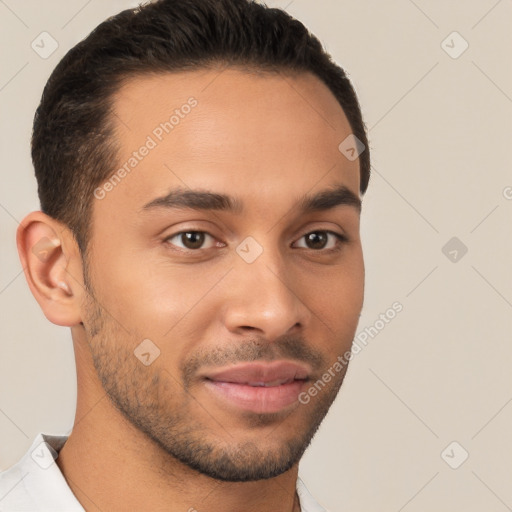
[(36, 484)]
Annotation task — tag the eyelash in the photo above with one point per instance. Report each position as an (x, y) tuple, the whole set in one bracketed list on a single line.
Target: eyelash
[(341, 240)]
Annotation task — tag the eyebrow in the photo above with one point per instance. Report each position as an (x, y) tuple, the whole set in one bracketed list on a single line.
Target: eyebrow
[(206, 200)]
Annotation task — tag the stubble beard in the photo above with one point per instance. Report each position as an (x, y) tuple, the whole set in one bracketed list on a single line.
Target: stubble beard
[(143, 395)]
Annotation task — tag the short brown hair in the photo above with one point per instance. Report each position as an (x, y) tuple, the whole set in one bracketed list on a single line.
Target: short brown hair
[(73, 146)]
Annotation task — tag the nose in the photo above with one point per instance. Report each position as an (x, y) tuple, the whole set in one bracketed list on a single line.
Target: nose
[(265, 296)]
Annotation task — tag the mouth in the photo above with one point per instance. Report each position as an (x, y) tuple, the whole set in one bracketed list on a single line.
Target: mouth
[(258, 387), (269, 384)]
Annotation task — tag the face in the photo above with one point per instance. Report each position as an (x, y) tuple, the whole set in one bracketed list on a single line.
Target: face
[(225, 269)]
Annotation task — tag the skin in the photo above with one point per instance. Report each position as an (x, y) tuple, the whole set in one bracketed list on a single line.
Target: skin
[(267, 139)]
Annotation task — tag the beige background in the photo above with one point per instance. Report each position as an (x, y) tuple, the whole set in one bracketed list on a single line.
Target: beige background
[(440, 131)]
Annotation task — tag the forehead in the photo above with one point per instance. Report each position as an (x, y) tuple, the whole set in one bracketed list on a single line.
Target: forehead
[(234, 131)]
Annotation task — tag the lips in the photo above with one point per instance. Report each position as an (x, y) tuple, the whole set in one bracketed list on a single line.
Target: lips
[(261, 374), (258, 387)]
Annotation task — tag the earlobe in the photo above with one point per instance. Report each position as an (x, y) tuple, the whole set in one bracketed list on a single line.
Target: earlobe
[(50, 261)]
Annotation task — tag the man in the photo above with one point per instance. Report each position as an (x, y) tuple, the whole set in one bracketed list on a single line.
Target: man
[(200, 166)]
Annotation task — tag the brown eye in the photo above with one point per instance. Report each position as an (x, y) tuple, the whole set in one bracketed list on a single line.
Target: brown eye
[(318, 240), (192, 240)]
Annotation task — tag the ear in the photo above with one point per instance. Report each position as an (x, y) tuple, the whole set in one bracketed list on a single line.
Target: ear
[(53, 267)]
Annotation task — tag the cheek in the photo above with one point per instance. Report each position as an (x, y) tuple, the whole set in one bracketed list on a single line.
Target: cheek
[(337, 299), (152, 297), (337, 291)]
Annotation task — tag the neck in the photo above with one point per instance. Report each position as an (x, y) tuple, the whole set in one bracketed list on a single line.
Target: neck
[(111, 465)]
